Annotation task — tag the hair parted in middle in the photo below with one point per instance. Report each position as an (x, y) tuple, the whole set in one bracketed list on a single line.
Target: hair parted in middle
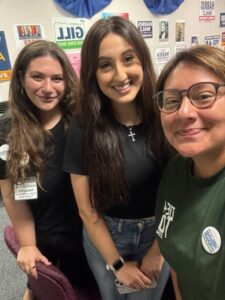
[(104, 156), (27, 138)]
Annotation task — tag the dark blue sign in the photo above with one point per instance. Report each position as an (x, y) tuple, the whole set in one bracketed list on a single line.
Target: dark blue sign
[(5, 66)]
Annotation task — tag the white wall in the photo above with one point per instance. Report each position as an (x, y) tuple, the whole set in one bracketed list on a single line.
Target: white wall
[(41, 11)]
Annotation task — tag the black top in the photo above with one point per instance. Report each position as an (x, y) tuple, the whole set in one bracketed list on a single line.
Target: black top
[(143, 173), (55, 209)]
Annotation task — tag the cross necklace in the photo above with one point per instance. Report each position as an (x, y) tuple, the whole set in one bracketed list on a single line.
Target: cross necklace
[(131, 133)]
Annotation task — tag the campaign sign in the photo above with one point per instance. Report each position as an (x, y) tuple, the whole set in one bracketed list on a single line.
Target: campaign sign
[(222, 20), (5, 65), (145, 28), (69, 35)]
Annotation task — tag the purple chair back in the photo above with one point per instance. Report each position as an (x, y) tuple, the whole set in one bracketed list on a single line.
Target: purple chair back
[(51, 283)]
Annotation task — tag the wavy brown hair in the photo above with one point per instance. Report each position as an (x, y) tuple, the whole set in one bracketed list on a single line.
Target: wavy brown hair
[(108, 185), (27, 134)]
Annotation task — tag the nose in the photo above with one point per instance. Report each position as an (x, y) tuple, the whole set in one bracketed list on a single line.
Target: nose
[(47, 86), (187, 109), (120, 72)]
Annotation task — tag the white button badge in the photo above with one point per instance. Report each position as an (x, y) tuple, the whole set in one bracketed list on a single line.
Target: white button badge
[(211, 240)]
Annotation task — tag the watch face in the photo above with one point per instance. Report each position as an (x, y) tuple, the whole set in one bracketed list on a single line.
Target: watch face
[(118, 264)]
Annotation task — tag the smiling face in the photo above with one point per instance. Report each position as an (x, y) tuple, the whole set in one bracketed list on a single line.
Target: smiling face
[(193, 132), (44, 83), (119, 73)]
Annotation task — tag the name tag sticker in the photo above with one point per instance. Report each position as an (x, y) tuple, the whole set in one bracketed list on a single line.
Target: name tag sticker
[(26, 190)]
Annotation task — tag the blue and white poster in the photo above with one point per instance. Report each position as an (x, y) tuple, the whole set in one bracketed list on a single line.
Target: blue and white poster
[(5, 65), (212, 40)]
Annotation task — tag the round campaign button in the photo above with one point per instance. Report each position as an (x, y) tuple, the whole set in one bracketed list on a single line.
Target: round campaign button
[(4, 149), (211, 240)]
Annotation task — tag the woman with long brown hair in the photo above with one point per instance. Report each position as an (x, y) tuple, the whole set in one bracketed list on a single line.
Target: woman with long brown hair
[(36, 192), (115, 154)]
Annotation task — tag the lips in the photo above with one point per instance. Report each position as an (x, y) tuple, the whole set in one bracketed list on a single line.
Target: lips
[(123, 88), (190, 132), (47, 98)]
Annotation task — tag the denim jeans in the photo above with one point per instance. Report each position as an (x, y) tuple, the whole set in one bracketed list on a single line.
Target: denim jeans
[(132, 238)]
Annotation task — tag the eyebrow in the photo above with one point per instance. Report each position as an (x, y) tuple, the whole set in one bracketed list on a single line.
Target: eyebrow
[(123, 53), (41, 73)]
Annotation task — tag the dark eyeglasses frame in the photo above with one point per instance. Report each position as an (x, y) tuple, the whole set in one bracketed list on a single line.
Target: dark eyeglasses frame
[(180, 92)]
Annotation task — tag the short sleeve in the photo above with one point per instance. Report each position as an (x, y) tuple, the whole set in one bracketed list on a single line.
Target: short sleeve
[(4, 130), (74, 155), (2, 167)]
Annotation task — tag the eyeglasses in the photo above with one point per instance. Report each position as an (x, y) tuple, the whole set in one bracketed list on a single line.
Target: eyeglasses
[(201, 95)]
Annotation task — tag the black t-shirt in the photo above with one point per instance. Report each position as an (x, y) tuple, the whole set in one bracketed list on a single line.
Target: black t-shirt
[(143, 173), (55, 209), (5, 124)]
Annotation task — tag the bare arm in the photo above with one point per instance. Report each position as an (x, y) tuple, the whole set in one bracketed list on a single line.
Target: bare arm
[(23, 223), (97, 230), (175, 285), (19, 214)]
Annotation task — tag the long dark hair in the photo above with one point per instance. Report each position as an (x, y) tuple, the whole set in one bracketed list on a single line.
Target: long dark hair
[(27, 135), (108, 185)]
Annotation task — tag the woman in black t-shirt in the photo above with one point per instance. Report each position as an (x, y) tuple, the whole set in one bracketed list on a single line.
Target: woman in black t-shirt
[(36, 192), (115, 155)]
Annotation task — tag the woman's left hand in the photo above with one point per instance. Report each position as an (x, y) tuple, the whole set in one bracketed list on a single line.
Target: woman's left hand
[(152, 262)]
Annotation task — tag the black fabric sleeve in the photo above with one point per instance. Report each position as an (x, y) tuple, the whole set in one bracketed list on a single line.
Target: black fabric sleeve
[(2, 168), (74, 155), (5, 123)]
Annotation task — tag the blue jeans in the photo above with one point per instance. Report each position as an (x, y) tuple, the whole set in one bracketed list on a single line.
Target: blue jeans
[(132, 238)]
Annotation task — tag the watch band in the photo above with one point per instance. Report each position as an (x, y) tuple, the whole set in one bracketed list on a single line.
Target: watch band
[(116, 266)]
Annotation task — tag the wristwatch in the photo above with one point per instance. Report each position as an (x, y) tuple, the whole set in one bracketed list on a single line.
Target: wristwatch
[(118, 263)]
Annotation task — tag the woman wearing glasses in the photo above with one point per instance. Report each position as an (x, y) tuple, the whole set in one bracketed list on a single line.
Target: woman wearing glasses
[(191, 201)]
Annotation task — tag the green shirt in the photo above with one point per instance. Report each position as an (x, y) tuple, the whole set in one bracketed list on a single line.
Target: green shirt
[(185, 207)]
